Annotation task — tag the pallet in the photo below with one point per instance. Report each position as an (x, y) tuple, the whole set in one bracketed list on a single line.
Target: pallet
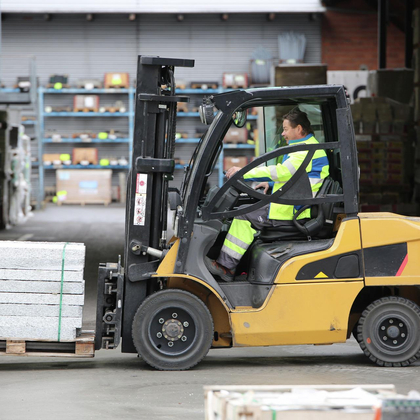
[(85, 109), (235, 87), (82, 347), (121, 86), (82, 203), (204, 85), (51, 86), (111, 109)]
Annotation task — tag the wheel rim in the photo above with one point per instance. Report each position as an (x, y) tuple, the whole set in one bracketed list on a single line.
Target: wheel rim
[(172, 331), (393, 334)]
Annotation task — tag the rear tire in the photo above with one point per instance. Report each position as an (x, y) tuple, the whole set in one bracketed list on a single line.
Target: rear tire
[(172, 330), (389, 331)]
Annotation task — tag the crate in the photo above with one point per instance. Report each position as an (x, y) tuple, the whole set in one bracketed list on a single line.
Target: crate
[(236, 135), (229, 161), (86, 103), (84, 186), (85, 155), (116, 80)]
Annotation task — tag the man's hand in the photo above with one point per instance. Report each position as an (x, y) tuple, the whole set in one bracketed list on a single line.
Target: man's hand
[(263, 185), (232, 171)]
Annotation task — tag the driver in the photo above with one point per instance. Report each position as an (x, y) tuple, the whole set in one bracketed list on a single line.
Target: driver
[(296, 130)]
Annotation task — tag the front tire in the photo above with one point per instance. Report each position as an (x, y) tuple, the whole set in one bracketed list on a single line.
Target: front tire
[(172, 330), (389, 331)]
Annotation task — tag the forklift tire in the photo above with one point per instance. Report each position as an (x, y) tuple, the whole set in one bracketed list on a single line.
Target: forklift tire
[(172, 330), (389, 332)]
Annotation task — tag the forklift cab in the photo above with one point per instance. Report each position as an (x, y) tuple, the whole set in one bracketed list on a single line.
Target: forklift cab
[(214, 210)]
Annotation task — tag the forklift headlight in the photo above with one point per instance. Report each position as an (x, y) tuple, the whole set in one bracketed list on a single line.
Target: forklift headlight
[(206, 111)]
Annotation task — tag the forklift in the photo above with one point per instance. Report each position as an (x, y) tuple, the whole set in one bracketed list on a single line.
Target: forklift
[(312, 281)]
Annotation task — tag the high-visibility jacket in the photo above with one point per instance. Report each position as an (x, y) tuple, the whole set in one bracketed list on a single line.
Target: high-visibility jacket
[(317, 170)]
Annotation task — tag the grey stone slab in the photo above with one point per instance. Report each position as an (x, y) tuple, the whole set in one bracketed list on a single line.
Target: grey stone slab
[(41, 255), (44, 275), (41, 299), (37, 286), (38, 328), (41, 310)]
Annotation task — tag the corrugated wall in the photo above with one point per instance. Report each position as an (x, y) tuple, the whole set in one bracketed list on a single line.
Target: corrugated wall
[(68, 44)]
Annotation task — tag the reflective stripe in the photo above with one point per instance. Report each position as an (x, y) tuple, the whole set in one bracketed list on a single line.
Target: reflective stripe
[(231, 252), (290, 167), (315, 181), (237, 241), (273, 173)]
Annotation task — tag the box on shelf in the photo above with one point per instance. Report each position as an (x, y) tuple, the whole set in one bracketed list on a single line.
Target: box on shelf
[(85, 154), (300, 74), (58, 81), (204, 85), (235, 80), (229, 161), (236, 135), (86, 103), (116, 80), (85, 185)]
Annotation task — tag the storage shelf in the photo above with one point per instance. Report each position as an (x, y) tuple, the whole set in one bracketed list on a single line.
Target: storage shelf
[(28, 122), (238, 146), (85, 167), (87, 114), (79, 140), (86, 91)]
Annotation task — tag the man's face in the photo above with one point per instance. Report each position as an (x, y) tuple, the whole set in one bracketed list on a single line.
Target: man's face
[(290, 133)]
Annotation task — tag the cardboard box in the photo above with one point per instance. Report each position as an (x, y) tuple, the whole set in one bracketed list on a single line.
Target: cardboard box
[(89, 154), (229, 161), (235, 80), (86, 103), (50, 157), (236, 135), (85, 185), (116, 80)]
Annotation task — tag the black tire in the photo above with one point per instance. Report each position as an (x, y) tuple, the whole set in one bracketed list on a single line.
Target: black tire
[(389, 332), (172, 330)]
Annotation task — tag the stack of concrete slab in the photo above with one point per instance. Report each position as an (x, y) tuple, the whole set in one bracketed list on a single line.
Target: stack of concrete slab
[(40, 297)]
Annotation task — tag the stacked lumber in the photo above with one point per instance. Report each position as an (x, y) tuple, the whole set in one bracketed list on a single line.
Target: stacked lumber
[(40, 297)]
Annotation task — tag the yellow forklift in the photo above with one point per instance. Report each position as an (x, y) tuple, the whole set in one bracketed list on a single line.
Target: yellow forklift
[(311, 281)]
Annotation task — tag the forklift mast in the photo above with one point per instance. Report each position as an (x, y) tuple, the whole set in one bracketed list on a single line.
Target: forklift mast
[(120, 291)]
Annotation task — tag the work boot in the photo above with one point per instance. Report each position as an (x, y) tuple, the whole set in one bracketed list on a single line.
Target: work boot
[(218, 270)]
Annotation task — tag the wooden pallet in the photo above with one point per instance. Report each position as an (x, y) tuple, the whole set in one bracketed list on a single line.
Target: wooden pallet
[(82, 203), (82, 347), (86, 109), (111, 109)]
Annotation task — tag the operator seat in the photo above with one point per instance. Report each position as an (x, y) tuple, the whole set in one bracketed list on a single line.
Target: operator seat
[(320, 224)]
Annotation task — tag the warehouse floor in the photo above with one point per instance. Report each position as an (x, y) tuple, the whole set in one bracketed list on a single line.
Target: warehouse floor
[(116, 385)]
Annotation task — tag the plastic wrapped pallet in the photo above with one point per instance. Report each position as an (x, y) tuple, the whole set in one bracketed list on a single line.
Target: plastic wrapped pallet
[(41, 290), (312, 402)]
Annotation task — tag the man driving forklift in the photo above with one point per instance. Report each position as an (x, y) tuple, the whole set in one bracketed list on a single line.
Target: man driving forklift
[(297, 129)]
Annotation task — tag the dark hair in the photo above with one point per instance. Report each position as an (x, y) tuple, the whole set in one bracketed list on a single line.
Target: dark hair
[(297, 117)]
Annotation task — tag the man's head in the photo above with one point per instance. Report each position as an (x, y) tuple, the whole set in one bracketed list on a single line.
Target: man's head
[(296, 125)]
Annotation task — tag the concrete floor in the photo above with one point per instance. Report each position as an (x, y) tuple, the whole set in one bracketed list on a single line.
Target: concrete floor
[(115, 385)]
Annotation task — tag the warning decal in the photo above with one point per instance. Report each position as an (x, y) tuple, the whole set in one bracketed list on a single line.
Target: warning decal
[(139, 218)]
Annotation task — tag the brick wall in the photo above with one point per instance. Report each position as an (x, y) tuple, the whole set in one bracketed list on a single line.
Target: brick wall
[(350, 39)]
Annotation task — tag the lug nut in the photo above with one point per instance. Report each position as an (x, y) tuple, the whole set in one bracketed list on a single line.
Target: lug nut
[(161, 321), (186, 324), (401, 325), (382, 328), (385, 338), (159, 335), (395, 341), (183, 338), (402, 335), (174, 315), (170, 343), (391, 321)]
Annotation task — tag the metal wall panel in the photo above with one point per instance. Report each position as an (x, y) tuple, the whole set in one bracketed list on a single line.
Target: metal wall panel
[(68, 44), (163, 6)]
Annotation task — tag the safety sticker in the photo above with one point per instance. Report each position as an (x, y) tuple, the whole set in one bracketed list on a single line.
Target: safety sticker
[(140, 200)]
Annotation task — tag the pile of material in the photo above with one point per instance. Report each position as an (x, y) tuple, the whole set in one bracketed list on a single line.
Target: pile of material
[(41, 290)]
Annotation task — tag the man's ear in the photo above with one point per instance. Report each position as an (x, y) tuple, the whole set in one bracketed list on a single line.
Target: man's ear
[(300, 130)]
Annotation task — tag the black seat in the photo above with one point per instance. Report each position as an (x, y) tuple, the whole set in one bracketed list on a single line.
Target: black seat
[(320, 224)]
